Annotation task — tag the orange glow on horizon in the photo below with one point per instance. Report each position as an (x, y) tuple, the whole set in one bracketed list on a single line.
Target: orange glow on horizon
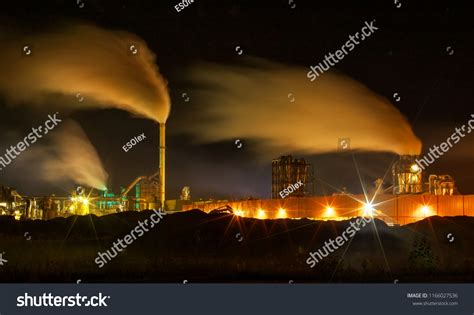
[(281, 213), (330, 212), (426, 211), (261, 214)]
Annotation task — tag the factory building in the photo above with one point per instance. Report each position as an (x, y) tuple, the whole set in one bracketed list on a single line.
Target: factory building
[(145, 195), (407, 176), (442, 185), (403, 209), (413, 201), (8, 198), (9, 201), (287, 171)]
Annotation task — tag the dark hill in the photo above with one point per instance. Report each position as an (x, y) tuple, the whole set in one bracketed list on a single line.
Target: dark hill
[(199, 247)]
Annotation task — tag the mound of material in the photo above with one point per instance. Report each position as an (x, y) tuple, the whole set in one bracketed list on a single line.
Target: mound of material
[(199, 247)]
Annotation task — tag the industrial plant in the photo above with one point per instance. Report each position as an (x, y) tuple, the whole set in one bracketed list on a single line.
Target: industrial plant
[(409, 199), (287, 171), (145, 192)]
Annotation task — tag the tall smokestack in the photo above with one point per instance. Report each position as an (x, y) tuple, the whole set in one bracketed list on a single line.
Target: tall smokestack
[(162, 165)]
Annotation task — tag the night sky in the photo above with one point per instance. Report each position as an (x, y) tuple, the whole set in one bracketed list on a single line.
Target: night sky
[(408, 55)]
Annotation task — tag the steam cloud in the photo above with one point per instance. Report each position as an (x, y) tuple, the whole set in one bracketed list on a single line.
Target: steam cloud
[(254, 103), (97, 63), (110, 69), (71, 156)]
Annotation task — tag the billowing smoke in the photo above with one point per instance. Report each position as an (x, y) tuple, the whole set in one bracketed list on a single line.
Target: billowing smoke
[(102, 68), (71, 156), (284, 112)]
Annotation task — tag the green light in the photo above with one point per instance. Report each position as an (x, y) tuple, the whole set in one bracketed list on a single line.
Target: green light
[(137, 197)]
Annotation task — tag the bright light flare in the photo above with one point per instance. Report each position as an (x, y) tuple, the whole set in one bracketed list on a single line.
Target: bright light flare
[(281, 213), (261, 214), (369, 210), (239, 213), (83, 200), (426, 211), (415, 168), (329, 212)]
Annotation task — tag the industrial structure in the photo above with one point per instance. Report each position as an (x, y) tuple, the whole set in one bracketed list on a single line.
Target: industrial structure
[(408, 200), (145, 192), (402, 209), (442, 185), (162, 165), (287, 171), (407, 176)]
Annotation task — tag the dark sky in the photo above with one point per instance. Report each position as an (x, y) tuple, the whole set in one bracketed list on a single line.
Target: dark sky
[(407, 55)]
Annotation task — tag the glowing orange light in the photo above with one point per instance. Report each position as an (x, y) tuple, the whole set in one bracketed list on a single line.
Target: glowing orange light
[(329, 212), (426, 211), (415, 168), (281, 213), (261, 214)]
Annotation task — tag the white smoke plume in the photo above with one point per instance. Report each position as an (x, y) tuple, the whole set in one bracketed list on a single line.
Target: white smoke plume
[(110, 69), (284, 112), (71, 156)]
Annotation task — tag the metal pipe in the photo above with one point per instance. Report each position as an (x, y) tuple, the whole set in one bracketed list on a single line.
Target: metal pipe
[(127, 190), (162, 166)]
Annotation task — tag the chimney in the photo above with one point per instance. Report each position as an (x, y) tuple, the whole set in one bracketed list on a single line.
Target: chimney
[(162, 165)]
